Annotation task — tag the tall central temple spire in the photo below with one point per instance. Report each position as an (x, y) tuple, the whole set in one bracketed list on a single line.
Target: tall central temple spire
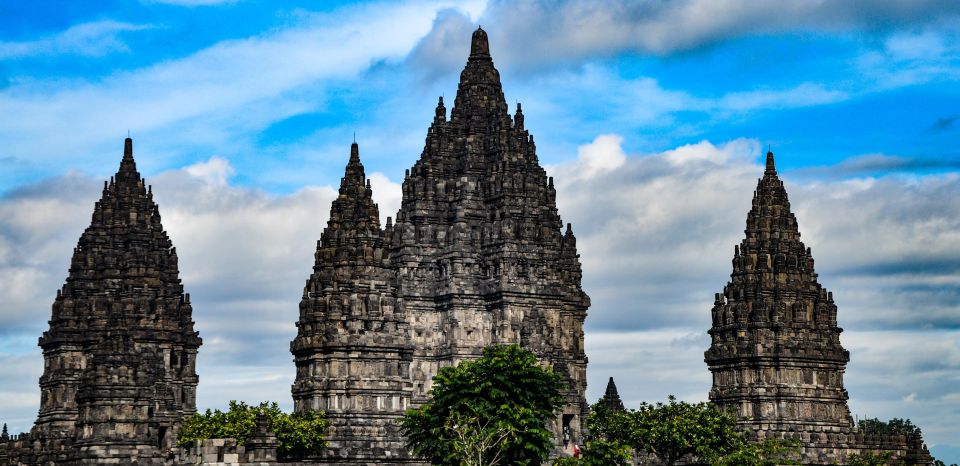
[(477, 256), (479, 245)]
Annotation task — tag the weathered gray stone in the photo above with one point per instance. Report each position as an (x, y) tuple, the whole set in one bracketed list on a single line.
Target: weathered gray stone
[(477, 257), (353, 350), (119, 356), (611, 398), (775, 351)]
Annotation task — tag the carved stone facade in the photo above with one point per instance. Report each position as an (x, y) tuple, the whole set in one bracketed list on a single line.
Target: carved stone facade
[(775, 354), (119, 356), (477, 257), (353, 348)]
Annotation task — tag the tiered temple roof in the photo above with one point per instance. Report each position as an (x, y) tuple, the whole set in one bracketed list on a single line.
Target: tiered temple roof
[(775, 351), (120, 353), (477, 256), (611, 398), (479, 246), (353, 348)]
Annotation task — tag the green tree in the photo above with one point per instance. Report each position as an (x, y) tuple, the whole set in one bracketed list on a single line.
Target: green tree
[(941, 463), (674, 430), (299, 435), (895, 426), (490, 411)]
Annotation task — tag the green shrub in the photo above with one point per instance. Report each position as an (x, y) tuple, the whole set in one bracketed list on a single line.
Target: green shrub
[(299, 435)]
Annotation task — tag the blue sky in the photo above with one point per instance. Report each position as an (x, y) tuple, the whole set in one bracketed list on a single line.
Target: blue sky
[(651, 115)]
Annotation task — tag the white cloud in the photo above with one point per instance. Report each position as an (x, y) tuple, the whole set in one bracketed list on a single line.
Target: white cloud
[(93, 39), (387, 195), (601, 155), (704, 151), (551, 31), (803, 95), (579, 102), (234, 87), (215, 171), (912, 57)]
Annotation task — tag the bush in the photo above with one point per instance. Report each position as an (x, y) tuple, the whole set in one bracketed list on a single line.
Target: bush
[(676, 430), (299, 435), (895, 426)]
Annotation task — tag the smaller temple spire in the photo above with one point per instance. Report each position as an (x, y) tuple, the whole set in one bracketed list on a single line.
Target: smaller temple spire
[(354, 152), (440, 114), (611, 399), (771, 166), (354, 173), (128, 167), (518, 118), (479, 45)]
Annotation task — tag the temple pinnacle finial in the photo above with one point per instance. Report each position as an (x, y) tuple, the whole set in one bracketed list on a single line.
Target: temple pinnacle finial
[(440, 114), (128, 148), (771, 166), (480, 45), (354, 152)]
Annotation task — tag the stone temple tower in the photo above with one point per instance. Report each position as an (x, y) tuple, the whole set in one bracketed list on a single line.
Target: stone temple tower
[(775, 350), (478, 256), (775, 355), (119, 356), (479, 245), (353, 348)]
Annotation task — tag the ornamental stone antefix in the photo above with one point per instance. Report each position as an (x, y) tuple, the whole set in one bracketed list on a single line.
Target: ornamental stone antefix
[(775, 355), (478, 256), (119, 357), (353, 349)]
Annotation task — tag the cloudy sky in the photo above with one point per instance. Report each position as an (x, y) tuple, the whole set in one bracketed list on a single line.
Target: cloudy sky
[(651, 115)]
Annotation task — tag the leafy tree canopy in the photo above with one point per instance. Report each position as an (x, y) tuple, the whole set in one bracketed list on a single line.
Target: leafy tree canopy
[(299, 435), (895, 426), (489, 411), (674, 430)]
